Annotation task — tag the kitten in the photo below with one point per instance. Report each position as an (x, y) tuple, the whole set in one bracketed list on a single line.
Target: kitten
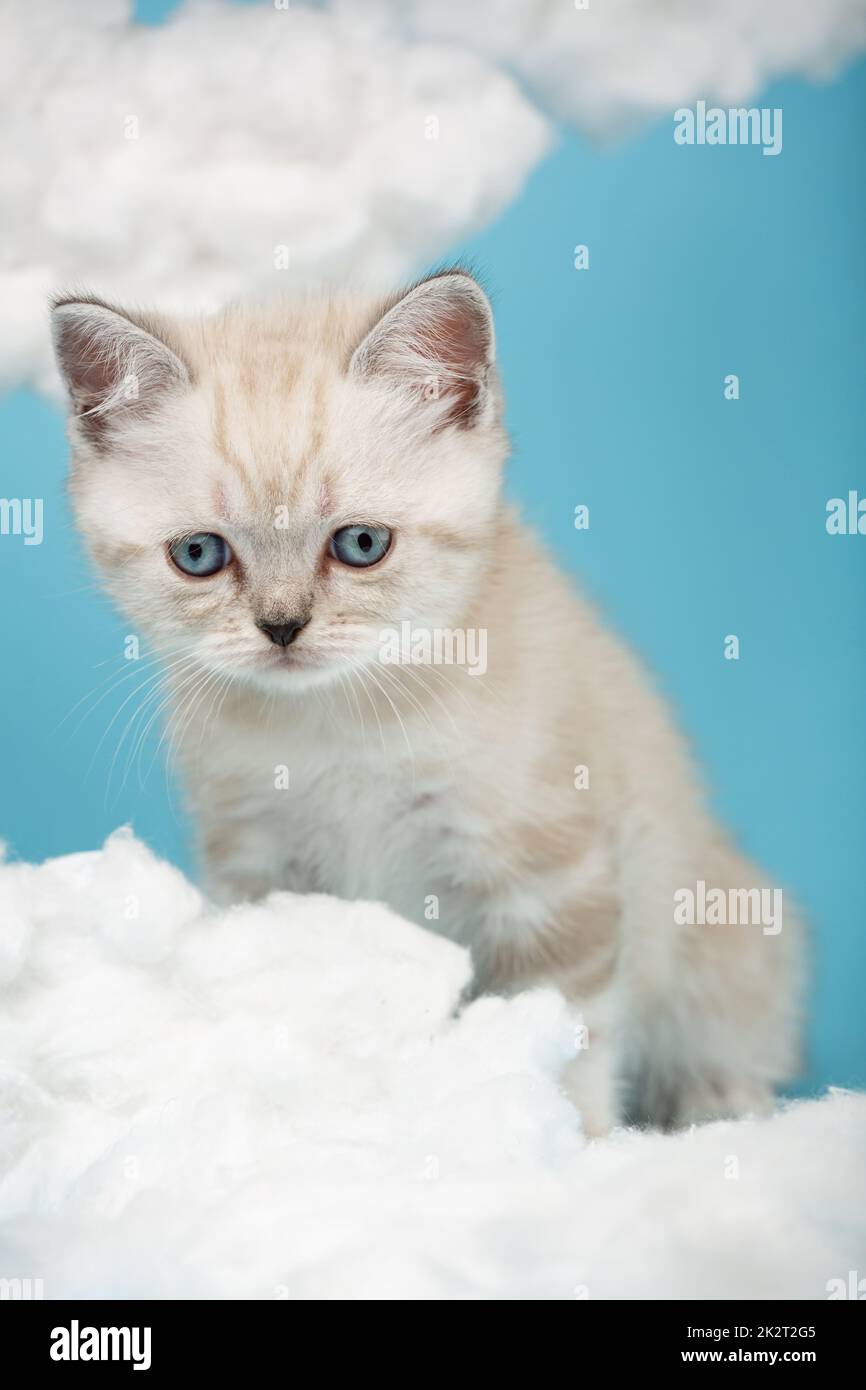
[(267, 493)]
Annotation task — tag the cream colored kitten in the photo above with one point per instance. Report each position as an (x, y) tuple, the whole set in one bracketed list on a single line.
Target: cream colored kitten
[(268, 495)]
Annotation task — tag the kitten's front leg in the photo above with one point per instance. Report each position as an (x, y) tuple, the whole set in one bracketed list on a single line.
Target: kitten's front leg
[(241, 864), (592, 1078), (591, 1085), (227, 886)]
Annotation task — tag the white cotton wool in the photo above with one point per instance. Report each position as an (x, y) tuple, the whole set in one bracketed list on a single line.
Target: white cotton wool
[(609, 66), (241, 150), (15, 935), (235, 150), (279, 1101)]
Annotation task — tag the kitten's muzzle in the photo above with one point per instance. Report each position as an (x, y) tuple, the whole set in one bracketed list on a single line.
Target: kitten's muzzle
[(283, 634)]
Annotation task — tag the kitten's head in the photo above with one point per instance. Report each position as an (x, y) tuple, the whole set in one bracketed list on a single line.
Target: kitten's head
[(265, 490)]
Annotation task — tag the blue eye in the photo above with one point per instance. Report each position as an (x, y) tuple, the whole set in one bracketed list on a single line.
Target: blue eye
[(201, 554), (360, 545)]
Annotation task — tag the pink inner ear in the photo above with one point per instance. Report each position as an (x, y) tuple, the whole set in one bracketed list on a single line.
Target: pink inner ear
[(114, 367), (88, 363), (437, 341), (459, 345), (459, 341), (462, 338)]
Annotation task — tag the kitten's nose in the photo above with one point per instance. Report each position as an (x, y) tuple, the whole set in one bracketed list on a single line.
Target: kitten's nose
[(283, 633)]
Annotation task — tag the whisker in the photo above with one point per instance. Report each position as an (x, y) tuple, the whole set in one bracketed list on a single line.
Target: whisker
[(372, 703), (158, 676), (154, 694), (128, 674), (371, 673)]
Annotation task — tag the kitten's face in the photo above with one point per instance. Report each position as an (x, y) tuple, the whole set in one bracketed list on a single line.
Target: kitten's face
[(265, 493)]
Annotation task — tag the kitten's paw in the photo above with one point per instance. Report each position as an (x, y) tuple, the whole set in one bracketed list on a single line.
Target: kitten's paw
[(702, 1101), (589, 1084)]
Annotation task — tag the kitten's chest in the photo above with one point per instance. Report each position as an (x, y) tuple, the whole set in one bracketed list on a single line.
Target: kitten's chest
[(372, 834), (319, 815)]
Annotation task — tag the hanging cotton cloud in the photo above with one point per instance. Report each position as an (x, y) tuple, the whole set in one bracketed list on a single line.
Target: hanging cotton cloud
[(235, 150), (247, 149), (279, 1101), (607, 65)]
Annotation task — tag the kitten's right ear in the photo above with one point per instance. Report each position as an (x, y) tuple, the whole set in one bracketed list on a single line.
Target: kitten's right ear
[(437, 342), (115, 367)]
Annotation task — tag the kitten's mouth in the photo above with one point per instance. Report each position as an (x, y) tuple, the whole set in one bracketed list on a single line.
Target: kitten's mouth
[(289, 659), (292, 669), (293, 659), (283, 665)]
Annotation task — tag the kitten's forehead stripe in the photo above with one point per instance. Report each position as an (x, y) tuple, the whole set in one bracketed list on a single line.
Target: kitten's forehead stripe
[(318, 416), (218, 417), (250, 375), (293, 488), (221, 437), (291, 372), (326, 496), (310, 398)]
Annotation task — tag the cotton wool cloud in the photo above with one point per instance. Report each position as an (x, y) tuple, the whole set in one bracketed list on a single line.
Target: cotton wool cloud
[(284, 1100), (244, 149), (606, 66), (235, 150)]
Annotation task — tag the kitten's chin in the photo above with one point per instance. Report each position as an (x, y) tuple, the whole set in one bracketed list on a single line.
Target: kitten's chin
[(293, 673)]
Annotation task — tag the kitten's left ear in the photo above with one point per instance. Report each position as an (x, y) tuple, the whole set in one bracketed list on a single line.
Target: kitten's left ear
[(116, 367), (437, 341)]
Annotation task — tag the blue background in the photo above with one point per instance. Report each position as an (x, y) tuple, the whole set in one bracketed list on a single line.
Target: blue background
[(707, 515)]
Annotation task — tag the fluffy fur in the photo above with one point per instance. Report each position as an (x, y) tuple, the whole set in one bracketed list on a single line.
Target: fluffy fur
[(450, 797)]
